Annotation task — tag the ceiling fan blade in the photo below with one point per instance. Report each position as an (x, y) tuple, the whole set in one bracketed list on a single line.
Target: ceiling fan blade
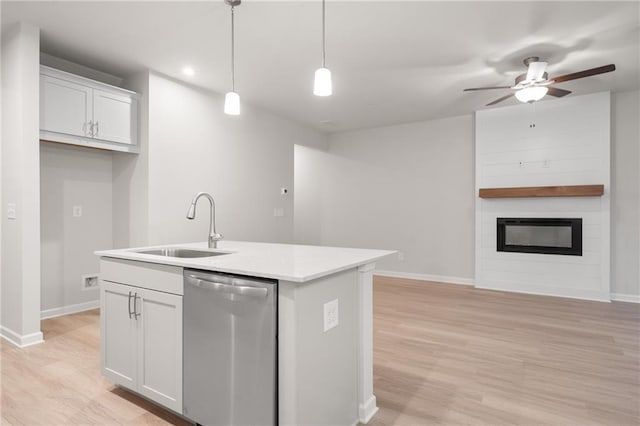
[(558, 93), (487, 88), (536, 71), (500, 99), (585, 73)]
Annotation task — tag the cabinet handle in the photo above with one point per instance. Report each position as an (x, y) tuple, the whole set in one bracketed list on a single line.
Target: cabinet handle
[(135, 306), (97, 129), (84, 128), (90, 128), (129, 303)]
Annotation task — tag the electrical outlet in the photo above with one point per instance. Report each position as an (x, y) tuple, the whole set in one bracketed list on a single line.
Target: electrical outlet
[(284, 191), (330, 315), (89, 281), (11, 211), (77, 211)]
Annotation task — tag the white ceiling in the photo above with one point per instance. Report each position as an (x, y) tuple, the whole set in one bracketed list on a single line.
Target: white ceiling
[(392, 61)]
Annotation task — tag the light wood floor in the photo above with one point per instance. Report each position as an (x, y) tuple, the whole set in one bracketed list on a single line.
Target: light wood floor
[(447, 354), (59, 383), (444, 354)]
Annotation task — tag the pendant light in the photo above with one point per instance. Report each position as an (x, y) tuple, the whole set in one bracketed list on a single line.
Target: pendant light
[(322, 82), (232, 99)]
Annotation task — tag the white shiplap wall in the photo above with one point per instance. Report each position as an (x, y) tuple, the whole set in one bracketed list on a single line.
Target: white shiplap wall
[(555, 142)]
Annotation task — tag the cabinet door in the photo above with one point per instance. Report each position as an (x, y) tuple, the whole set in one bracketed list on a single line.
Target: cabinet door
[(160, 348), (65, 107), (114, 117), (119, 333)]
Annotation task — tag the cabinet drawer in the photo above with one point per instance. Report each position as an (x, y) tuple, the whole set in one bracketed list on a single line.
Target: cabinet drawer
[(153, 276)]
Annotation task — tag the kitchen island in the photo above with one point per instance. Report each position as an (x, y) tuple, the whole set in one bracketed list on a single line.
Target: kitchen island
[(324, 373)]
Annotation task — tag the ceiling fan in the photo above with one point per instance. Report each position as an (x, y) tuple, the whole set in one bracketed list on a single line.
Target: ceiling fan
[(535, 84)]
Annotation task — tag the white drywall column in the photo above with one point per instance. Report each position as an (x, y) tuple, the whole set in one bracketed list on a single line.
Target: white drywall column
[(625, 196), (21, 185), (366, 399), (1, 196), (561, 142)]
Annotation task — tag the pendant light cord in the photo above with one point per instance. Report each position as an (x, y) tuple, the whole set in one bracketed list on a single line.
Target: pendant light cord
[(323, 36), (233, 49)]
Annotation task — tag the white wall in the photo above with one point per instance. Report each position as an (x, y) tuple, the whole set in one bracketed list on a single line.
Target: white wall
[(406, 187), (243, 161), (131, 178), (625, 195), (1, 191), (308, 197), (568, 145), (72, 176), (362, 194), (20, 185)]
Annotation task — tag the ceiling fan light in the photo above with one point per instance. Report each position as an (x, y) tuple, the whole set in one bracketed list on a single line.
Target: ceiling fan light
[(232, 103), (322, 83), (531, 94)]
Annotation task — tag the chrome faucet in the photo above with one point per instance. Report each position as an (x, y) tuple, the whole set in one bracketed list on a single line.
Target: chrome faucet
[(214, 237)]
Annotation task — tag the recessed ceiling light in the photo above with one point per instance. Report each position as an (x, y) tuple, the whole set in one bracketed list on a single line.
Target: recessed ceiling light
[(188, 71)]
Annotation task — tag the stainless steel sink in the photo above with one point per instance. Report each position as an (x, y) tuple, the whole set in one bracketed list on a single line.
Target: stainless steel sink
[(181, 252)]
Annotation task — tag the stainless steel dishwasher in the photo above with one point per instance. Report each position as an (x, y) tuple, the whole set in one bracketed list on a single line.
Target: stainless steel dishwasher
[(230, 349)]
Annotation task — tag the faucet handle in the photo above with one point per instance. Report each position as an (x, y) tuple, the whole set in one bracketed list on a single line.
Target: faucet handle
[(213, 240)]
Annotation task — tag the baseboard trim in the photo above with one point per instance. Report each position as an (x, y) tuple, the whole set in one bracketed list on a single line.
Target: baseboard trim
[(367, 410), (425, 277), (20, 340), (70, 309), (623, 297), (570, 293)]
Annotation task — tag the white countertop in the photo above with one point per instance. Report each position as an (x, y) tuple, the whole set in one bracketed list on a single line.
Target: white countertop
[(287, 262)]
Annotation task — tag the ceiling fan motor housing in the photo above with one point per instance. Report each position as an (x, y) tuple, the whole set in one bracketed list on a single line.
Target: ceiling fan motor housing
[(530, 59), (523, 77)]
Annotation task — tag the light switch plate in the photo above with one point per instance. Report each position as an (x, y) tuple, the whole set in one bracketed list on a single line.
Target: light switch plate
[(331, 315), (77, 211)]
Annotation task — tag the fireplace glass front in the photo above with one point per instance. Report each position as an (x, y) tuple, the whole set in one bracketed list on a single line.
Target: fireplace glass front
[(540, 235)]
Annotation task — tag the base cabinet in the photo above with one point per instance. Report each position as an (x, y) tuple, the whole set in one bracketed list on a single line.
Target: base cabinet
[(141, 332)]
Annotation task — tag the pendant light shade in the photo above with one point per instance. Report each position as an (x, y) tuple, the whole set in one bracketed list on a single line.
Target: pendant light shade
[(232, 103), (531, 94), (232, 99), (322, 83)]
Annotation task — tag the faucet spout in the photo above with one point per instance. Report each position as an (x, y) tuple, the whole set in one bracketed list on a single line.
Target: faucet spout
[(214, 237)]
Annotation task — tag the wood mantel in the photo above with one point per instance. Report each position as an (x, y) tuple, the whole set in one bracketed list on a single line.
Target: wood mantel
[(543, 191)]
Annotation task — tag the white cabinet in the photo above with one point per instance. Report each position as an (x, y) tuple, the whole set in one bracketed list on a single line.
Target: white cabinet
[(141, 332), (113, 117), (80, 111), (65, 107), (119, 334)]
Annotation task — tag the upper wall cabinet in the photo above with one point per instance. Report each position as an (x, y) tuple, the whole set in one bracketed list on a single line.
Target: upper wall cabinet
[(84, 112)]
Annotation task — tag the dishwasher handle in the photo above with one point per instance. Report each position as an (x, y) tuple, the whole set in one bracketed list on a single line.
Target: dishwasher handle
[(228, 288)]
